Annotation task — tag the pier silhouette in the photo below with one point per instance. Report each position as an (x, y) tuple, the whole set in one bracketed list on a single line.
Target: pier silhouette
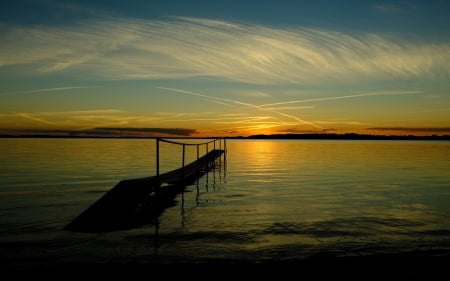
[(135, 202)]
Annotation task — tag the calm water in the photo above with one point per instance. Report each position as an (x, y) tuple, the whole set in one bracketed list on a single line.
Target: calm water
[(273, 200)]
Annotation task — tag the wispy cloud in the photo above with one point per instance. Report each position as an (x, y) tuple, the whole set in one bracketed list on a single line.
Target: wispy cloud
[(189, 47), (105, 132), (384, 93), (185, 115), (76, 119), (88, 120), (34, 118), (297, 131), (255, 94), (47, 90), (225, 119), (288, 107), (431, 110), (233, 114), (84, 112), (339, 122), (395, 8), (55, 89), (170, 131), (245, 104), (226, 102)]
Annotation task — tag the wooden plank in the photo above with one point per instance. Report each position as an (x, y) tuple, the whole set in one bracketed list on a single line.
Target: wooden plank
[(116, 209)]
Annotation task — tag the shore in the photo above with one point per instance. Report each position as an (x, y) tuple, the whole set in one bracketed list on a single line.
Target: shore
[(407, 264)]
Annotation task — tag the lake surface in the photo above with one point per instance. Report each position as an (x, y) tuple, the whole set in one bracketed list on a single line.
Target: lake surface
[(272, 200)]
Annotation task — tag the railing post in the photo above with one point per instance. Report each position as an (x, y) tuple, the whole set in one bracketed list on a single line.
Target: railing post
[(197, 167), (197, 151), (184, 146), (183, 154), (224, 154), (157, 163), (209, 161)]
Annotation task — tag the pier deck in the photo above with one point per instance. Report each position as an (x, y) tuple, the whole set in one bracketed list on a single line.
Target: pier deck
[(133, 201)]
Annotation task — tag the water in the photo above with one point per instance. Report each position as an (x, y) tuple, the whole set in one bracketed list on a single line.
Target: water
[(273, 200)]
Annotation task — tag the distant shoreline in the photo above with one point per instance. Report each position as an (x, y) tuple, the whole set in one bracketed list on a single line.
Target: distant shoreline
[(347, 136)]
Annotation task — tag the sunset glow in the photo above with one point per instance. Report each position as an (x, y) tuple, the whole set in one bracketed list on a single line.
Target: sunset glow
[(194, 69)]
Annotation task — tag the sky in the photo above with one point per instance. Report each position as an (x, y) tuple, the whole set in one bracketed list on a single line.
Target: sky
[(224, 68)]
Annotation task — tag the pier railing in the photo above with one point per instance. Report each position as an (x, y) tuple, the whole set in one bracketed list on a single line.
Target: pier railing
[(221, 143)]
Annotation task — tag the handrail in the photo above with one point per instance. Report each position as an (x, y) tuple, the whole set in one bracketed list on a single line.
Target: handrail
[(182, 143)]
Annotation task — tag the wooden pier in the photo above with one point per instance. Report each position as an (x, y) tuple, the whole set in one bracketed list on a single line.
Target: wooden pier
[(138, 201)]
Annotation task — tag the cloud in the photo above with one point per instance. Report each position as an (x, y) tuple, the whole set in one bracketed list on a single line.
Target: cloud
[(178, 47), (288, 107), (383, 93), (395, 8), (339, 122), (431, 110), (34, 118), (388, 8), (84, 112), (170, 131), (105, 132), (298, 131), (74, 119), (411, 129), (252, 106), (255, 94), (56, 89)]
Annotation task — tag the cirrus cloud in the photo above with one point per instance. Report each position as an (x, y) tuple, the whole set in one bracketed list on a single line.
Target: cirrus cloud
[(190, 47)]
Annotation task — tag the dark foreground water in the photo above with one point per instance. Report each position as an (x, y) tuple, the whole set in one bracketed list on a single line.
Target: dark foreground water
[(272, 201)]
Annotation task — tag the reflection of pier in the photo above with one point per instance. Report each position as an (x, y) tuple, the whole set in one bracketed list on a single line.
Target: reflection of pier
[(140, 201)]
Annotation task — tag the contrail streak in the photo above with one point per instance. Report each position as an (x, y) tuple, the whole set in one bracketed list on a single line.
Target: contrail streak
[(346, 97), (47, 90), (191, 93), (258, 107), (29, 116), (55, 89)]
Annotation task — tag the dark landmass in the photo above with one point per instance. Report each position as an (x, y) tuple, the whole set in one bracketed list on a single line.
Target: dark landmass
[(68, 137), (320, 136), (349, 136)]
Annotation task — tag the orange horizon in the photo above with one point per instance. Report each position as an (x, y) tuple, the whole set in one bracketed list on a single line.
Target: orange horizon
[(189, 133)]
